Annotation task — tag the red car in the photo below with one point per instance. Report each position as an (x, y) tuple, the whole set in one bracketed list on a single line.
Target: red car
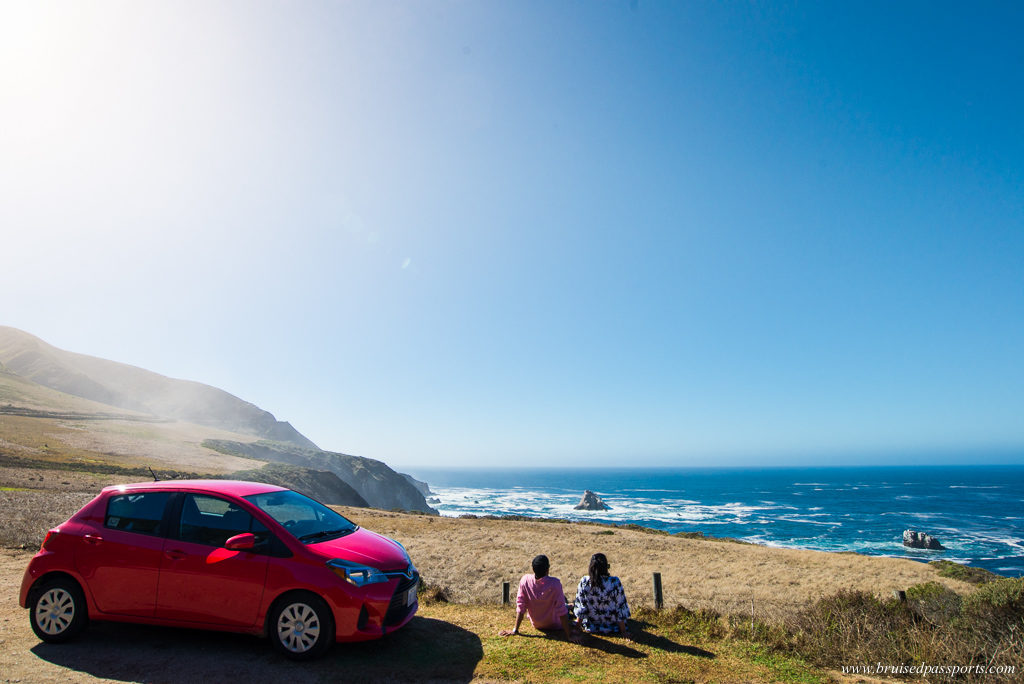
[(222, 555)]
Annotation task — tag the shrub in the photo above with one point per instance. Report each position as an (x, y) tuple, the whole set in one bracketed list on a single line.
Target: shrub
[(934, 602), (431, 593), (853, 626), (995, 608), (935, 625), (964, 573)]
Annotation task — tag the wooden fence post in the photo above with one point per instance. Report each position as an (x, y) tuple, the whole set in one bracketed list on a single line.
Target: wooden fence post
[(659, 599), (505, 590)]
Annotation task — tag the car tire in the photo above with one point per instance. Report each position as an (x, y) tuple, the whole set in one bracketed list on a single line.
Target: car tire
[(301, 626), (58, 611)]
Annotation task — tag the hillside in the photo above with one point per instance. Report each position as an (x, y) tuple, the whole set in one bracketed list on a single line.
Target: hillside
[(69, 412), (135, 389)]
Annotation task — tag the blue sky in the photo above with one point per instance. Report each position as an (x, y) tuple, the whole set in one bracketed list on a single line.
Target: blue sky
[(552, 233)]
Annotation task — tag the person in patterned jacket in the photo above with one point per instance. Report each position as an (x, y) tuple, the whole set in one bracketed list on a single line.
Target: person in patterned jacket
[(600, 605)]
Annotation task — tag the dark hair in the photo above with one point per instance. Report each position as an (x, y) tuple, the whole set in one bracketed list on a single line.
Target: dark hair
[(540, 566), (598, 569)]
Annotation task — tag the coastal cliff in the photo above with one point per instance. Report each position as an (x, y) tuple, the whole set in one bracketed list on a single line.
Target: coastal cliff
[(373, 480)]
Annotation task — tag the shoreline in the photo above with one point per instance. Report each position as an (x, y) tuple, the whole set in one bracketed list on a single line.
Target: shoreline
[(706, 537), (832, 509)]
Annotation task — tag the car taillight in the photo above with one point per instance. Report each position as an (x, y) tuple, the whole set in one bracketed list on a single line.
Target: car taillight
[(48, 539)]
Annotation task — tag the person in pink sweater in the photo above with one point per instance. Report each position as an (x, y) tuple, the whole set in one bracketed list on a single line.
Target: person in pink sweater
[(542, 597)]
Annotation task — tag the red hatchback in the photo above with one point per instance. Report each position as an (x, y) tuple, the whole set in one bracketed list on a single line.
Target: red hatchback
[(223, 555)]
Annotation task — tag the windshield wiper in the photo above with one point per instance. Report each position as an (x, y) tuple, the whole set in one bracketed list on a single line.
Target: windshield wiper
[(324, 533)]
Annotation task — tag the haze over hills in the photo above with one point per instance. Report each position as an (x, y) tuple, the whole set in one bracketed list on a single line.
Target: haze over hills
[(136, 389), (61, 410)]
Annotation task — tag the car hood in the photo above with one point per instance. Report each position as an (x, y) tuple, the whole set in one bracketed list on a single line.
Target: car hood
[(364, 546)]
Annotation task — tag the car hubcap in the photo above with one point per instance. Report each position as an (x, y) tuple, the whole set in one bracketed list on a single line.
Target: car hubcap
[(55, 611), (298, 627)]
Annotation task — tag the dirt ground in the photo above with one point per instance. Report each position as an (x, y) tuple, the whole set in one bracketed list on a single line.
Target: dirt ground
[(112, 652)]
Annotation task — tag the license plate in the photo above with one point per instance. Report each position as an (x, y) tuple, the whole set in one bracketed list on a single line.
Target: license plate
[(410, 596)]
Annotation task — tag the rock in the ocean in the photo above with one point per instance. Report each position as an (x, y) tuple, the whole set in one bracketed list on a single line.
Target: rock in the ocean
[(591, 502), (920, 540)]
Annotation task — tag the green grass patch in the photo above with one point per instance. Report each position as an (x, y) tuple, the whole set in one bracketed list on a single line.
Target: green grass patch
[(667, 646), (93, 466), (965, 573), (782, 667)]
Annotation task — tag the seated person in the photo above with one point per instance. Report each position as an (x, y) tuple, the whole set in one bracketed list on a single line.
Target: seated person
[(542, 597), (600, 605)]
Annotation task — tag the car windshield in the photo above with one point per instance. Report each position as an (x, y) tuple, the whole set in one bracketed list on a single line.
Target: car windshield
[(307, 520)]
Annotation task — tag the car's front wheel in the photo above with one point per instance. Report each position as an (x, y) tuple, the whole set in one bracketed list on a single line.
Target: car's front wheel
[(58, 611), (302, 627)]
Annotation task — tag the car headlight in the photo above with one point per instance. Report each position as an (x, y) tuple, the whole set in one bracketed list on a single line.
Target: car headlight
[(354, 573)]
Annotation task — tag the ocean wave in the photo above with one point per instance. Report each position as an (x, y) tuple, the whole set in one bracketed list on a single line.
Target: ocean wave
[(653, 490), (844, 515), (798, 519), (976, 486)]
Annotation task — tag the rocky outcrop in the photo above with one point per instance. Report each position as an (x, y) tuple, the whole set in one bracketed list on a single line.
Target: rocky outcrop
[(920, 540), (420, 485), (591, 502), (322, 485), (381, 486)]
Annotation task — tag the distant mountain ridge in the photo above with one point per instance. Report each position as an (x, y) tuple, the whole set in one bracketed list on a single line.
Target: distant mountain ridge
[(136, 389)]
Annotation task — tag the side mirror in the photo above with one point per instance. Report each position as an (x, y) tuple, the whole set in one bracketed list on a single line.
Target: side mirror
[(241, 542)]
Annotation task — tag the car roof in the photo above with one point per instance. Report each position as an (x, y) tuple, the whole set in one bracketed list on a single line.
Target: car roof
[(233, 487)]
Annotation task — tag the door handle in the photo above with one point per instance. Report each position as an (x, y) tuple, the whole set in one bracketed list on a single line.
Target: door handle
[(92, 539), (175, 554)]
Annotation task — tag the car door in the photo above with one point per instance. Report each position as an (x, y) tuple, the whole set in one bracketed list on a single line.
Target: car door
[(200, 580), (120, 558)]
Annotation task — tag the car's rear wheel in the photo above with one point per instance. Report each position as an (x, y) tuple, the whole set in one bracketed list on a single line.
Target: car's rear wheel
[(58, 611), (302, 627)]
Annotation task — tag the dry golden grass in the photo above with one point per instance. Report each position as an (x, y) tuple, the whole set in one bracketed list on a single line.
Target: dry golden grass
[(127, 443), (471, 557)]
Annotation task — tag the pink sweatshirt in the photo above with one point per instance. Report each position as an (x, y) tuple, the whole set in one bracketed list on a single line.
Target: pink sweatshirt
[(544, 599)]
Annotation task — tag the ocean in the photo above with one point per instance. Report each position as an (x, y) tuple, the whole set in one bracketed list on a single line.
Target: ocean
[(977, 512)]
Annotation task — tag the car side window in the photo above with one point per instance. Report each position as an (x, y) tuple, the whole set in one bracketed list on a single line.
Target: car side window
[(211, 521), (140, 512)]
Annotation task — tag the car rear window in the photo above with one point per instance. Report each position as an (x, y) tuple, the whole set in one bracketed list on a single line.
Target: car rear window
[(140, 512)]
